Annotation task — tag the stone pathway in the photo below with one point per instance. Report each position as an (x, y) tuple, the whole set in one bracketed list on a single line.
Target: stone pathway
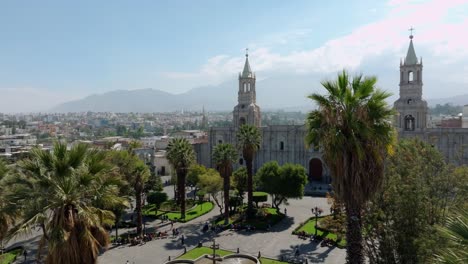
[(275, 243)]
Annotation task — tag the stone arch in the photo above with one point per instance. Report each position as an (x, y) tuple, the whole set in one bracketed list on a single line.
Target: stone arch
[(315, 169), (409, 123), (242, 121)]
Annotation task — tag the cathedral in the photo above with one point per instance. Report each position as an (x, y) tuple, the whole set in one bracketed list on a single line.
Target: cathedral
[(285, 143)]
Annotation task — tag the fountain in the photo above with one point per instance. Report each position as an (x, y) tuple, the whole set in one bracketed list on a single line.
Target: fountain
[(216, 259)]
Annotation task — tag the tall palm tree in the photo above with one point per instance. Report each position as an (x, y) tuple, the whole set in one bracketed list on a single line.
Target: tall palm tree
[(248, 141), (136, 174), (181, 155), (7, 216), (352, 125), (224, 155), (456, 232), (64, 192)]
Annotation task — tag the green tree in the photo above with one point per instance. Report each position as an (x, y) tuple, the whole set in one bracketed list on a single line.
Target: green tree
[(402, 217), (64, 192), (282, 182), (156, 198), (248, 141), (211, 183), (181, 156), (7, 217), (224, 155), (136, 173), (455, 231), (239, 181), (194, 172), (352, 124)]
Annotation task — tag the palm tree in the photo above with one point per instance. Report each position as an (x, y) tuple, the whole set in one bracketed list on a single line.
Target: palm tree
[(248, 141), (224, 155), (456, 232), (353, 128), (136, 173), (181, 155), (64, 192), (7, 217)]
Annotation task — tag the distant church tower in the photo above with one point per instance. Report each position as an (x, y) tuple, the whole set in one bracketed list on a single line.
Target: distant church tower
[(247, 111), (411, 108)]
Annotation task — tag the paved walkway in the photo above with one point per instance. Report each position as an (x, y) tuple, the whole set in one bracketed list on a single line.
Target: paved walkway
[(275, 243)]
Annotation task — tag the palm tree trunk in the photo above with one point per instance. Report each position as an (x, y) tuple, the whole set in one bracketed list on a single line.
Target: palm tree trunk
[(226, 172), (182, 194), (249, 187), (354, 247), (138, 211)]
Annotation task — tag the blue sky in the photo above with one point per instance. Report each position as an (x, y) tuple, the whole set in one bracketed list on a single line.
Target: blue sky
[(61, 50)]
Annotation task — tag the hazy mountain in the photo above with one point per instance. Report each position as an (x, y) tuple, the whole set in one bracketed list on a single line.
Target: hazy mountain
[(288, 93)]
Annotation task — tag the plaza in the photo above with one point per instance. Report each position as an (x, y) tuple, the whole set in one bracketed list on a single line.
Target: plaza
[(276, 243)]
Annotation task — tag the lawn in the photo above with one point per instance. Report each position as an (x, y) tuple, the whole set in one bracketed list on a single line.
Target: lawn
[(309, 228), (8, 257), (198, 252), (261, 221), (198, 210)]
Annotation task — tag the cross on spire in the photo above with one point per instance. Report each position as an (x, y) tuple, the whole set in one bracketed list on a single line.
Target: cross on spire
[(246, 52), (411, 32)]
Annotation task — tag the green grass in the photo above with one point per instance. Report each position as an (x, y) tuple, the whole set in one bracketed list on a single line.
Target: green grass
[(198, 210), (198, 252), (8, 257), (259, 222), (309, 228)]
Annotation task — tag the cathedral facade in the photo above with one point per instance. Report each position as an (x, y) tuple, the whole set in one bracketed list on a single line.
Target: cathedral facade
[(286, 144), (281, 143)]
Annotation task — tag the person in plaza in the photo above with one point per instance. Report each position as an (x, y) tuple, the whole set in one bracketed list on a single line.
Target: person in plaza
[(285, 211), (297, 252), (182, 239), (25, 254)]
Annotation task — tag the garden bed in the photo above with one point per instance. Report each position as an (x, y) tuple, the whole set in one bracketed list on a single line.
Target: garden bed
[(309, 228), (10, 256), (200, 251), (198, 210), (264, 218)]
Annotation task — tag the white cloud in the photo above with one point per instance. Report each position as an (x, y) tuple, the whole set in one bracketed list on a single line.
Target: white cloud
[(434, 32)]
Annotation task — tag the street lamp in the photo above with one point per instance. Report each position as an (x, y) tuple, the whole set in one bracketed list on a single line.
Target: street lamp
[(317, 212)]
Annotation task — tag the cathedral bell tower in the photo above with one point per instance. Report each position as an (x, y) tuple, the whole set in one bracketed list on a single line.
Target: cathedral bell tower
[(246, 111), (411, 108)]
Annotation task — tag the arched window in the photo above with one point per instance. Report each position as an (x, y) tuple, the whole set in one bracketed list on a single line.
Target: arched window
[(245, 87), (410, 76), (409, 123), (220, 141), (248, 87), (242, 121), (281, 145)]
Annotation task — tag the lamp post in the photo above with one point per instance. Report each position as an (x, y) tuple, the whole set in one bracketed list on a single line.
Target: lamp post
[(214, 247), (317, 212)]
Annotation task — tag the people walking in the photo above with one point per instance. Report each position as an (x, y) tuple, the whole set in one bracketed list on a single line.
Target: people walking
[(182, 239), (25, 254)]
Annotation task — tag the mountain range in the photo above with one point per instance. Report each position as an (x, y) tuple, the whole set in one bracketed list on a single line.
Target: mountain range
[(272, 94)]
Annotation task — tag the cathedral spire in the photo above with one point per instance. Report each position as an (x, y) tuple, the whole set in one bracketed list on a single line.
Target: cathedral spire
[(247, 72), (411, 58)]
